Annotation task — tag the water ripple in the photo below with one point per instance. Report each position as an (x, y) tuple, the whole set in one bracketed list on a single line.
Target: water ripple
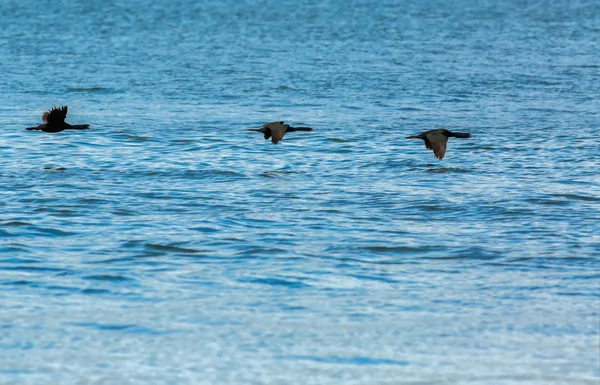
[(169, 244)]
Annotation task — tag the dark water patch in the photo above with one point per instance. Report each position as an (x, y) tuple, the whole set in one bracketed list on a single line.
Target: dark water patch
[(524, 264), (16, 260), (58, 288), (547, 202), (138, 138), (253, 251), (18, 372), (585, 198), (472, 253), (127, 328), (33, 269), (578, 294), (171, 248), (225, 173), (124, 213), (586, 277), (277, 282), (448, 170), (154, 196), (437, 208), (354, 360), (54, 232), (93, 291), (91, 90), (338, 140), (132, 244), (107, 277), (145, 258), (276, 174), (345, 261), (59, 212), (285, 88), (16, 223), (93, 201), (285, 307), (400, 249), (204, 229), (20, 282)]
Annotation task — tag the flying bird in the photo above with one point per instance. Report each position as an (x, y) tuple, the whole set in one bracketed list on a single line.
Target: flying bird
[(54, 121), (276, 130), (435, 140)]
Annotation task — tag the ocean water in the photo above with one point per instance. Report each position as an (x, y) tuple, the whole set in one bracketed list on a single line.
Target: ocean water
[(169, 245)]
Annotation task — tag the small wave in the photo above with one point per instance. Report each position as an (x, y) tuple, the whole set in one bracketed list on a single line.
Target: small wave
[(399, 249), (92, 291), (444, 170), (547, 202), (56, 232), (278, 282), (354, 360), (16, 223), (338, 140), (577, 197), (33, 268), (20, 282), (58, 212), (475, 253), (434, 208), (107, 277), (130, 328), (91, 89), (139, 138), (275, 174), (260, 251), (156, 246)]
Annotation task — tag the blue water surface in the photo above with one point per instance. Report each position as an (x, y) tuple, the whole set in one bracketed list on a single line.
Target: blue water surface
[(169, 245)]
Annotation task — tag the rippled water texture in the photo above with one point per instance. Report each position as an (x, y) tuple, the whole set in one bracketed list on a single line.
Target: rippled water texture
[(168, 245)]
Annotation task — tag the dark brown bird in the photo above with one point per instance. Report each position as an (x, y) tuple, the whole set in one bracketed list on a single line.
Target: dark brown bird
[(276, 130), (54, 121), (435, 140)]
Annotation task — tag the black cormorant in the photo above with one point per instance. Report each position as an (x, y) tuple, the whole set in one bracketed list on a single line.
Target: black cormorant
[(276, 130), (55, 121)]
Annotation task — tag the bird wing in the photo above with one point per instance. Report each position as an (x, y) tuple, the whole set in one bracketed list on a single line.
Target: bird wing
[(55, 115), (436, 141), (439, 149), (278, 130)]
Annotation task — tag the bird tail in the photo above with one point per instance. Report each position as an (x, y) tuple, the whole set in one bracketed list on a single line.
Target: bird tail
[(302, 129), (80, 126), (255, 129), (32, 128)]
